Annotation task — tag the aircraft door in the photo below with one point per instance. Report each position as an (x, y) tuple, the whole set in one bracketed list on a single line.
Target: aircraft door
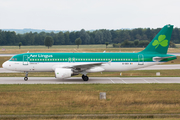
[(140, 59), (25, 59), (69, 60), (73, 59)]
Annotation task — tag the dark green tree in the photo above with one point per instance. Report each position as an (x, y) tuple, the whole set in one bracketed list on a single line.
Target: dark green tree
[(98, 37), (136, 42), (107, 36), (66, 36), (72, 37), (20, 45), (84, 36), (107, 43), (171, 44), (48, 41), (78, 42), (143, 43), (61, 39)]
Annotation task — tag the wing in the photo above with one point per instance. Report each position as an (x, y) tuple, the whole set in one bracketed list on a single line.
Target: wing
[(83, 67)]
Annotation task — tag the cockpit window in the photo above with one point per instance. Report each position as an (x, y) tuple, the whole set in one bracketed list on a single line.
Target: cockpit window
[(12, 59)]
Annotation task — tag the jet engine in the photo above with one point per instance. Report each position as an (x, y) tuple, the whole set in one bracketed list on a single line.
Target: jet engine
[(62, 73)]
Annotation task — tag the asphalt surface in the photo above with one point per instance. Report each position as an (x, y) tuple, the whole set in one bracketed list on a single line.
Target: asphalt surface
[(92, 80)]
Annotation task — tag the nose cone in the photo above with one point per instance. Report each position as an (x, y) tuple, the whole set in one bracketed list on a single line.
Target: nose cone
[(5, 65)]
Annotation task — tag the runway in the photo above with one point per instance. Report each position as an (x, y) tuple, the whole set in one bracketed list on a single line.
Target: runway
[(92, 80)]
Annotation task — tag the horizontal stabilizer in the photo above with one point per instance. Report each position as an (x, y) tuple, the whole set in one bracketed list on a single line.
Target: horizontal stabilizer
[(161, 58)]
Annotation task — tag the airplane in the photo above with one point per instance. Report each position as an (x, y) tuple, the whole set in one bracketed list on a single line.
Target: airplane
[(66, 65)]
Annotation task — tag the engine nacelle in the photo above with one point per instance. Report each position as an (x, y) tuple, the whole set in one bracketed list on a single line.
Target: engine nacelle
[(63, 73)]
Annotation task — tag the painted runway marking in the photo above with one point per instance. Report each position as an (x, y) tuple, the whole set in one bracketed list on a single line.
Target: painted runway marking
[(157, 81), (146, 81), (124, 82), (111, 80)]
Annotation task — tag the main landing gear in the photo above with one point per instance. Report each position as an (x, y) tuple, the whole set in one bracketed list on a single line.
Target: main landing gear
[(85, 77), (26, 77)]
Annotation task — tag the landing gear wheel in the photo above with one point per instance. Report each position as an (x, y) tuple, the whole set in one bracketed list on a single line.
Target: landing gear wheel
[(25, 78), (85, 78)]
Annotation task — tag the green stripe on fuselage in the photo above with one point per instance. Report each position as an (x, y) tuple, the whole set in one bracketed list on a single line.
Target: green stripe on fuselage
[(88, 57)]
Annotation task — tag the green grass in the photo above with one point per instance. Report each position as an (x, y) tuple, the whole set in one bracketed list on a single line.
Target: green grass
[(3, 59), (72, 48), (87, 87), (83, 99)]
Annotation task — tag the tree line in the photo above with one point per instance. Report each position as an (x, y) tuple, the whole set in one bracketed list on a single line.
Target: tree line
[(101, 36)]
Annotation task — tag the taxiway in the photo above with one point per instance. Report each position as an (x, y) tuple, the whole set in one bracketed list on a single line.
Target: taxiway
[(92, 80)]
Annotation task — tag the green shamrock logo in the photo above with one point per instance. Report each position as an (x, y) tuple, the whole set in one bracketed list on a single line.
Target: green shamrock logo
[(161, 41)]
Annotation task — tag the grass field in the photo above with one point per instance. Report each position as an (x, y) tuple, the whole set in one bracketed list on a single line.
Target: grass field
[(83, 99), (72, 48), (104, 118)]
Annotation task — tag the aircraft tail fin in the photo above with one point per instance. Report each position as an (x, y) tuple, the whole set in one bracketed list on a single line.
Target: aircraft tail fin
[(161, 41)]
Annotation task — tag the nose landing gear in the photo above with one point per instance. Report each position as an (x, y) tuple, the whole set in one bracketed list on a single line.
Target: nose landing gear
[(26, 77)]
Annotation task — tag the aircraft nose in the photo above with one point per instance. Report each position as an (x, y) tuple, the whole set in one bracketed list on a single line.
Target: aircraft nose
[(5, 64)]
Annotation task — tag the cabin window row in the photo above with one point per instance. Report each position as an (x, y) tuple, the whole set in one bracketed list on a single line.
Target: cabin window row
[(79, 59)]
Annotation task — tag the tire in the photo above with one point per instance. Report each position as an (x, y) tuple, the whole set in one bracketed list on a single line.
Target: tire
[(25, 78), (85, 78)]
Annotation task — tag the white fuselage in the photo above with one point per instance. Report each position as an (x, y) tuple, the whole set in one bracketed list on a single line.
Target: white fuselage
[(49, 67)]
